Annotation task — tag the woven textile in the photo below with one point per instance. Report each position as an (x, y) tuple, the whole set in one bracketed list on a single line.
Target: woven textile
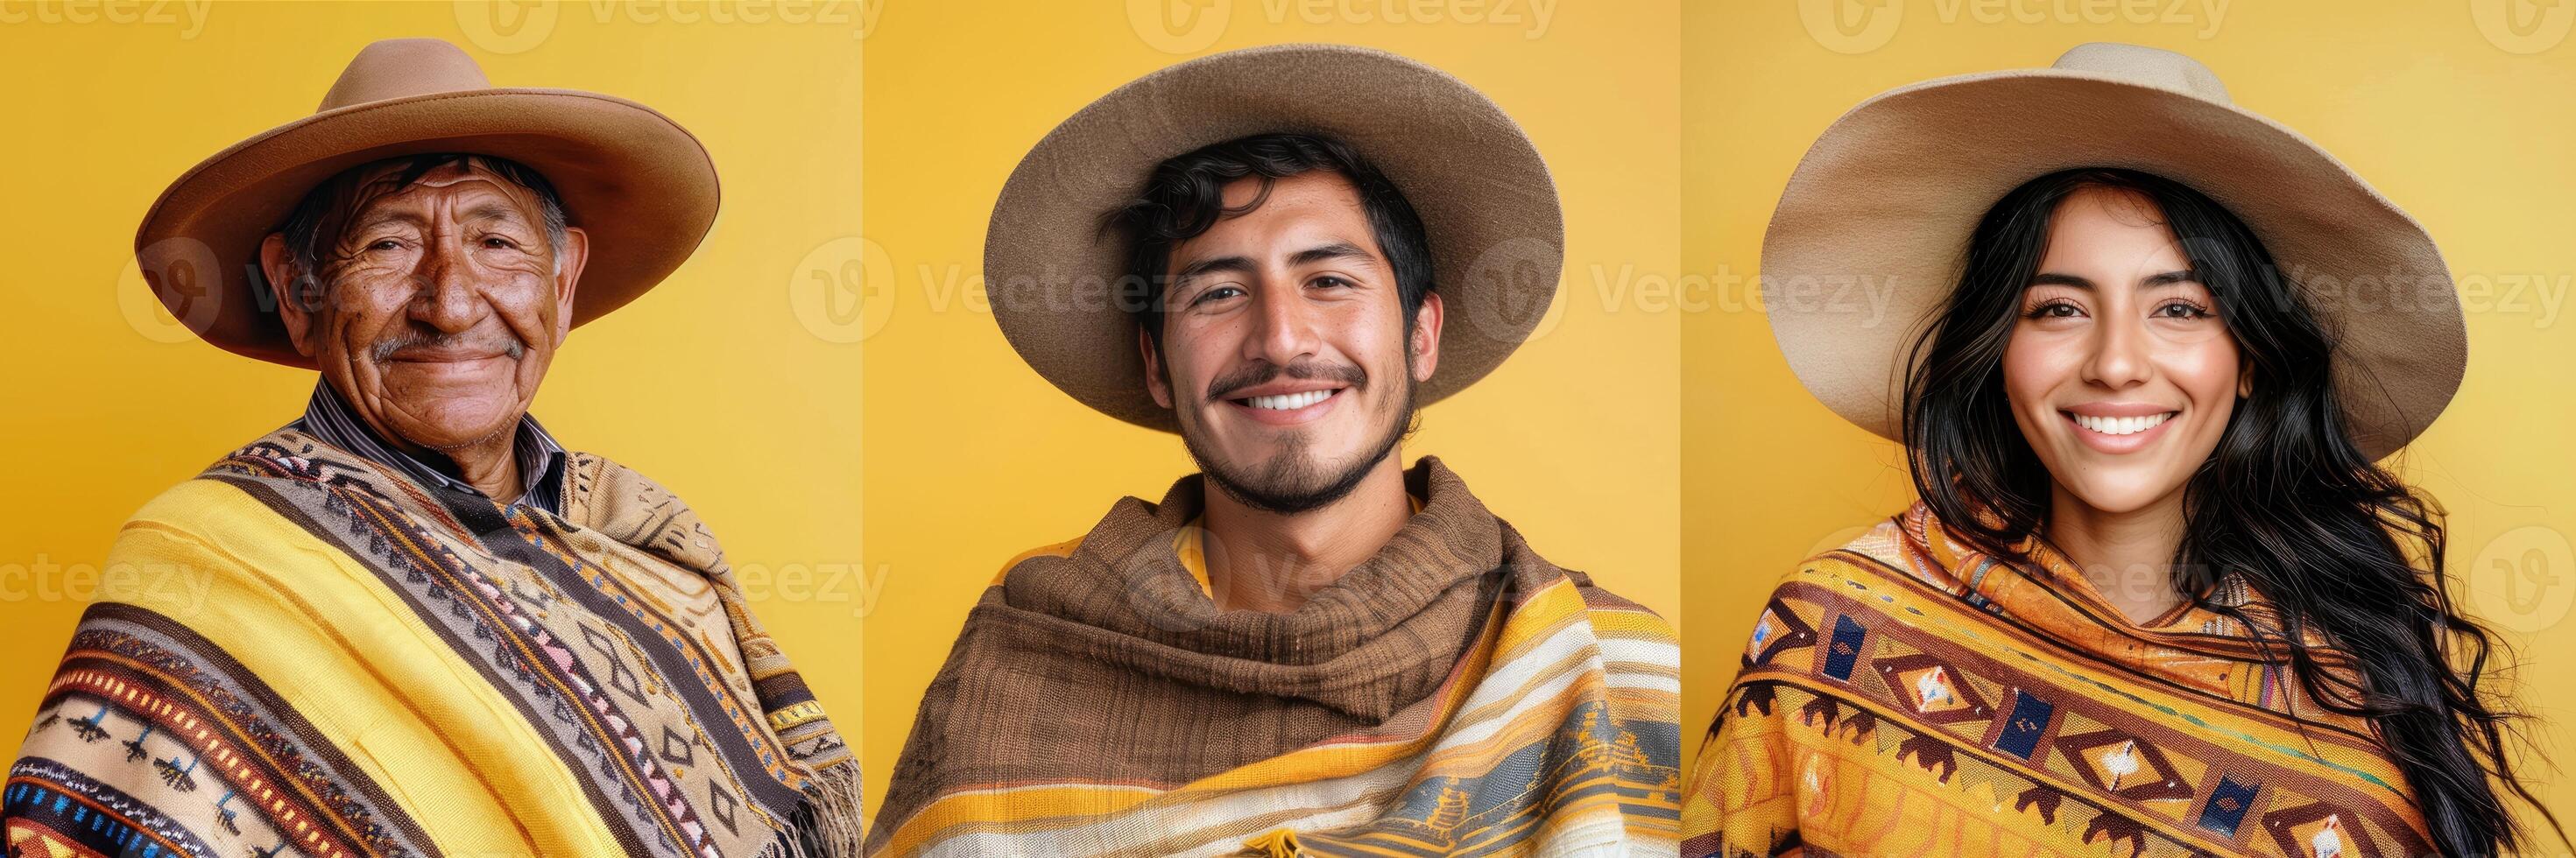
[(1905, 695), (351, 663), (1454, 695)]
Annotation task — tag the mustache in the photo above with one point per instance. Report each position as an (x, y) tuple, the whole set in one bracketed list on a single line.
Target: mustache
[(1305, 370), (385, 349)]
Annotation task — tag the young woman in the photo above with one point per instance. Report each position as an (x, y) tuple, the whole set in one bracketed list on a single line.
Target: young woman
[(2156, 595)]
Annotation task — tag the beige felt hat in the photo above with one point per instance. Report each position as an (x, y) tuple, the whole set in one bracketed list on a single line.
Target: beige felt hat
[(1871, 233), (1483, 194), (636, 182)]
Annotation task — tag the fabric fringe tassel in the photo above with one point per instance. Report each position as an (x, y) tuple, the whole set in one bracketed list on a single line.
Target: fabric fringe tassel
[(827, 824)]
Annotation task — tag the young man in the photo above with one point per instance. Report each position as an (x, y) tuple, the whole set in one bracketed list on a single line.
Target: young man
[(1280, 254)]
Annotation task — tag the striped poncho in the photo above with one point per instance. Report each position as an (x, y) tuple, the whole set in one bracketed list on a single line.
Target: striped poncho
[(360, 665), (1905, 695), (1455, 694)]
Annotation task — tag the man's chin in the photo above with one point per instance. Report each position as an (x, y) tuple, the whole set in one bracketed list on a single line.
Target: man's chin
[(1278, 498), (1288, 482), (1282, 472)]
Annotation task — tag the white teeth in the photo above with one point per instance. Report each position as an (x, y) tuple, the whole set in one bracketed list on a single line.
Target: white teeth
[(2121, 425), (1290, 401)]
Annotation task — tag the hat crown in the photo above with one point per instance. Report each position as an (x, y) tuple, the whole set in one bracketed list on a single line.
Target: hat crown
[(400, 68), (2145, 66)]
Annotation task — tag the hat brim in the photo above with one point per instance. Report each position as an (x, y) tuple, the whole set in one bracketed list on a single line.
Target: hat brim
[(1872, 230), (635, 182), (1484, 195)]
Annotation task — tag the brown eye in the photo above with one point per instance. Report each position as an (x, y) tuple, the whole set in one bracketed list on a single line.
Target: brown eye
[(2183, 310), (2053, 310)]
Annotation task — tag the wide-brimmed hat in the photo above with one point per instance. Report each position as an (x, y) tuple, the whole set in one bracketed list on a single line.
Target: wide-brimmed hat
[(636, 182), (1872, 231), (1484, 196)]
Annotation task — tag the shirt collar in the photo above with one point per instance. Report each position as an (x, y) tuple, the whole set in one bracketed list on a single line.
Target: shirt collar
[(328, 417)]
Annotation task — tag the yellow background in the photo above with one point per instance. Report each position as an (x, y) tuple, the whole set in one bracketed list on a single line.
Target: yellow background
[(710, 384), (972, 458), (738, 383), (2471, 139)]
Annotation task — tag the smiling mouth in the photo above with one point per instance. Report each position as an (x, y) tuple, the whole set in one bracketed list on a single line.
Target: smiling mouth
[(442, 358), (1287, 401), (2119, 425)]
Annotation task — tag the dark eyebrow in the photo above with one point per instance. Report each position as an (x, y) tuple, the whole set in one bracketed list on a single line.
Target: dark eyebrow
[(1335, 250), (2170, 278), (1236, 264), (2166, 279)]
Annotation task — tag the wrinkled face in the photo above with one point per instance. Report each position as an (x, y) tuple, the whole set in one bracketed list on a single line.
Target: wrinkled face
[(1285, 350), (441, 303), (2120, 372)]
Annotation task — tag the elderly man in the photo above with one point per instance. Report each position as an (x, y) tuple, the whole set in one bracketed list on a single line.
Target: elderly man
[(427, 627), (1308, 648)]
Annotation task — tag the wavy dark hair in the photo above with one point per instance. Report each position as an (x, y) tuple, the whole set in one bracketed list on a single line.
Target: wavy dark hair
[(2288, 501), (1184, 198)]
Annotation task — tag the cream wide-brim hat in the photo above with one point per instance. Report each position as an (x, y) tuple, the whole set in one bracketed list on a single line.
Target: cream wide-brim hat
[(1484, 196), (637, 183), (1882, 207)]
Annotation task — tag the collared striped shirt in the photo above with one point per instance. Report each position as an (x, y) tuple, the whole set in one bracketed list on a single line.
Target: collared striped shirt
[(541, 460)]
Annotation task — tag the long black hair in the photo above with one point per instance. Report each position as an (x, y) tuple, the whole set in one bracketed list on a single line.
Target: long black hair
[(2338, 546)]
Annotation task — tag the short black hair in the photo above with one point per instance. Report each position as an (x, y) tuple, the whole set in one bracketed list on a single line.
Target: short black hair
[(1184, 198)]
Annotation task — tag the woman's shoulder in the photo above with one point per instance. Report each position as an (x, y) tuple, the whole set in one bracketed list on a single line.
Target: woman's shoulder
[(1893, 545)]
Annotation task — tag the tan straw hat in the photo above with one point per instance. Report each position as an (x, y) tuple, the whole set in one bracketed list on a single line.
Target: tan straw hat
[(636, 182), (1484, 196), (1871, 233)]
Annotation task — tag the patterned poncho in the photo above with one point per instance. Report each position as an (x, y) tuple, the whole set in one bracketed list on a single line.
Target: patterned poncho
[(1455, 694), (1905, 695), (363, 666)]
